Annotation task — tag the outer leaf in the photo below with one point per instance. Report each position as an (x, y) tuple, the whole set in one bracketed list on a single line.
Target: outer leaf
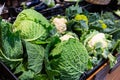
[(11, 42), (20, 68), (10, 45), (35, 56), (27, 75), (72, 11), (41, 77)]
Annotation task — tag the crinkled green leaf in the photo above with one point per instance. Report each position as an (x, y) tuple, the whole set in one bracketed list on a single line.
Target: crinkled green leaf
[(32, 25), (72, 11), (20, 68), (27, 75), (35, 56), (40, 77), (30, 30), (11, 49), (70, 58)]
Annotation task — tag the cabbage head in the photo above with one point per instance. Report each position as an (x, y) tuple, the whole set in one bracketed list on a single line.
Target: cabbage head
[(69, 58), (32, 25), (30, 30)]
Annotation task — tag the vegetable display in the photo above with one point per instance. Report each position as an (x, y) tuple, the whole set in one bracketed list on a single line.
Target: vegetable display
[(63, 48)]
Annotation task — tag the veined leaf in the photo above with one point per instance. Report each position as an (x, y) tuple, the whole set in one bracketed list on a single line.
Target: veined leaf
[(35, 56)]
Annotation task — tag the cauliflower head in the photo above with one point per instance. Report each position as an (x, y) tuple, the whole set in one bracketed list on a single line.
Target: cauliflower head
[(66, 37), (60, 24), (98, 38)]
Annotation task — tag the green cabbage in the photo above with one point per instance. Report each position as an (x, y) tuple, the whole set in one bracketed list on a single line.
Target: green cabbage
[(70, 59), (32, 25), (11, 48), (32, 15), (31, 30)]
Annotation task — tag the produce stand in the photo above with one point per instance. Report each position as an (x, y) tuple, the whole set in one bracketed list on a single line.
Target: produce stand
[(95, 74)]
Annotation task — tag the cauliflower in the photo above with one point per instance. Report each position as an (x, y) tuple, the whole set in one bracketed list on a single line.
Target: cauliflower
[(98, 38), (60, 24), (66, 37), (99, 46)]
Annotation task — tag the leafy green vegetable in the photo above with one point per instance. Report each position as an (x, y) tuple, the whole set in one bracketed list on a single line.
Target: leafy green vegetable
[(27, 75), (30, 30), (116, 31), (105, 22), (117, 46), (32, 64), (58, 56), (69, 58), (32, 25), (99, 46), (20, 68), (35, 57), (78, 26), (11, 53), (41, 77), (11, 49), (72, 11)]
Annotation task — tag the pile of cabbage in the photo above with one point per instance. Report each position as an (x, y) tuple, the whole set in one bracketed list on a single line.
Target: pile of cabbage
[(62, 48), (34, 49)]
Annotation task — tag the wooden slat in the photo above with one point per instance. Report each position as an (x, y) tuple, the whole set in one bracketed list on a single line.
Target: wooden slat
[(92, 76)]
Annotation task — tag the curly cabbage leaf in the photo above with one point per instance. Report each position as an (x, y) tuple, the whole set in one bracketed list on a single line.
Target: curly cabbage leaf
[(11, 49), (33, 61), (30, 75), (70, 59), (27, 75)]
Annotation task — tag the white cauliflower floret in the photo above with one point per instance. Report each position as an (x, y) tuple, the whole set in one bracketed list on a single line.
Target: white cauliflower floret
[(66, 37), (98, 38), (60, 24)]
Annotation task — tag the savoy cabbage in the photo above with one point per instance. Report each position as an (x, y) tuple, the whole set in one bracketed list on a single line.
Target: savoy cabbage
[(69, 58), (32, 25)]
